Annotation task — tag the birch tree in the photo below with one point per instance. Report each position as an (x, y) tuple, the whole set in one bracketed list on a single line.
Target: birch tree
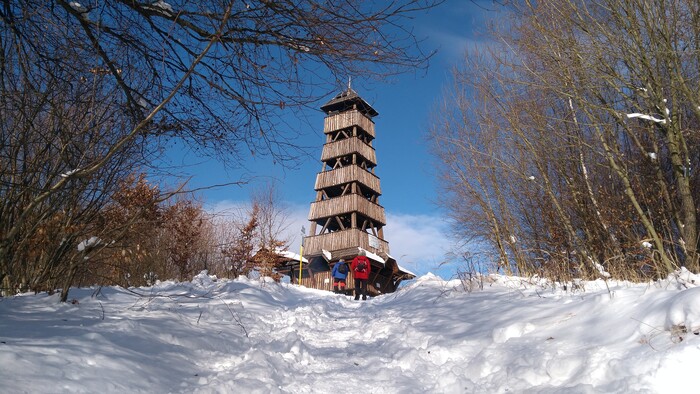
[(595, 105)]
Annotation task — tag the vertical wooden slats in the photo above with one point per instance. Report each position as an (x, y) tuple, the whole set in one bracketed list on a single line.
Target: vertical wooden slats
[(343, 175), (343, 147), (341, 239), (324, 281), (347, 119), (347, 204)]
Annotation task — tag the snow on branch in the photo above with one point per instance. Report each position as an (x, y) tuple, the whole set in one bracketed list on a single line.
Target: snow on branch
[(78, 7), (646, 117), (161, 7), (69, 173), (89, 244)]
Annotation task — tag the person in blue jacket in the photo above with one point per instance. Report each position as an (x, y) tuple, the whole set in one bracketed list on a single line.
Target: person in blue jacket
[(339, 273)]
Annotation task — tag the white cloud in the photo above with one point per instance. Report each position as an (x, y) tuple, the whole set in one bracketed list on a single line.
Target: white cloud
[(458, 26), (419, 242), (228, 207), (297, 217)]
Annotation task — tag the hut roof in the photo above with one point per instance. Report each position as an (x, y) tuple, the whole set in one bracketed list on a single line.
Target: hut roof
[(290, 256), (402, 269), (384, 260), (345, 100), (372, 256)]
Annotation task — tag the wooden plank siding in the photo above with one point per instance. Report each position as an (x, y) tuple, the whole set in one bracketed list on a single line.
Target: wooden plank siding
[(381, 280), (344, 147), (318, 280), (342, 120), (343, 175), (346, 204), (324, 281), (341, 239)]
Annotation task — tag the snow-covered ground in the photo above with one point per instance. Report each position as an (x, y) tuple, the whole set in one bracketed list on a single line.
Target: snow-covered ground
[(432, 336)]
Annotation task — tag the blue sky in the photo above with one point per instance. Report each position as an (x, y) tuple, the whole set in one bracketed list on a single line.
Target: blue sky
[(416, 229)]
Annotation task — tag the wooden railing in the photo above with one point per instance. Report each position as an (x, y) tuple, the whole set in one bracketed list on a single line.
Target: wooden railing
[(347, 146), (344, 239), (346, 204), (340, 176), (347, 119)]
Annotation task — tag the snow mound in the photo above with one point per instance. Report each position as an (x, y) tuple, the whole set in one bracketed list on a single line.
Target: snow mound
[(431, 336), (204, 280)]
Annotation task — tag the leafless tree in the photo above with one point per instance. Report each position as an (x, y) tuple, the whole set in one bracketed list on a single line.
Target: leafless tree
[(584, 112), (91, 90), (49, 130), (239, 250), (271, 224), (184, 222), (272, 216)]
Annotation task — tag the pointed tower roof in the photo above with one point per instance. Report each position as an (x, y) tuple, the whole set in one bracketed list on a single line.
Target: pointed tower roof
[(346, 100)]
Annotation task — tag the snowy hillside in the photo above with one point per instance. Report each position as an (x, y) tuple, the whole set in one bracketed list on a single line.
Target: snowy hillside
[(432, 336)]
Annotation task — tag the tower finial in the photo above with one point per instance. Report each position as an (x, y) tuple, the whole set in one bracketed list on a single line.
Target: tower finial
[(349, 82)]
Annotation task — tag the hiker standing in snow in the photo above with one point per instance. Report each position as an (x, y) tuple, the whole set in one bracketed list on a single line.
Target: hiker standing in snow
[(360, 269), (340, 273)]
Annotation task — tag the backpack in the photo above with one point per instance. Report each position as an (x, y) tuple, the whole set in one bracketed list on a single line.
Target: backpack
[(343, 268), (361, 266)]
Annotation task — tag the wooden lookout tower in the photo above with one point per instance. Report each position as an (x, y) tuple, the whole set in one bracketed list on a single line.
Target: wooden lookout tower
[(346, 216)]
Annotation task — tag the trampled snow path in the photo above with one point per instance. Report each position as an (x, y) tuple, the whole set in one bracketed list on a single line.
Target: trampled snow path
[(321, 347), (243, 336)]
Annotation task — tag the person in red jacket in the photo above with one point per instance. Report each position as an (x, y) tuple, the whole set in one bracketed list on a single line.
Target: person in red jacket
[(360, 268)]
